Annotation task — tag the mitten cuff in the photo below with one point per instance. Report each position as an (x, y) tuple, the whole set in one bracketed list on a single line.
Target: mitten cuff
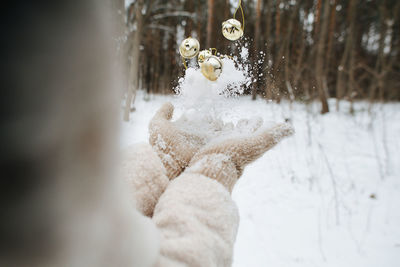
[(216, 166), (145, 174)]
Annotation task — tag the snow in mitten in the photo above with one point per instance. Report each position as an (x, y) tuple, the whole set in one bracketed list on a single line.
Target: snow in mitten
[(174, 143)]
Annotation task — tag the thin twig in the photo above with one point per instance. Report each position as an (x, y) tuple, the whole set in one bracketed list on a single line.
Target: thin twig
[(334, 185)]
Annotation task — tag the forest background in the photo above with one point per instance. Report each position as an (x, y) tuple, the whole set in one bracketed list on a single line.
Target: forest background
[(312, 49)]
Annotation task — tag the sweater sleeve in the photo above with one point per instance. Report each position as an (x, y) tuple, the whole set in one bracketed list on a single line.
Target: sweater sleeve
[(195, 216), (145, 175), (197, 220)]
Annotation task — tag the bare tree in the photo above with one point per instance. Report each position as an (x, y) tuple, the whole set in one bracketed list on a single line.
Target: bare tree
[(340, 84), (210, 23), (135, 59), (349, 50), (268, 40), (257, 34), (319, 65)]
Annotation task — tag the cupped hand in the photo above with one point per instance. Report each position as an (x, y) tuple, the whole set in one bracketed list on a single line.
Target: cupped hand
[(224, 160), (176, 142)]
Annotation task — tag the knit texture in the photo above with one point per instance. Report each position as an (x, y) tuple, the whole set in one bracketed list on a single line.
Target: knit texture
[(198, 223), (146, 185), (174, 146), (224, 161), (218, 167), (195, 216)]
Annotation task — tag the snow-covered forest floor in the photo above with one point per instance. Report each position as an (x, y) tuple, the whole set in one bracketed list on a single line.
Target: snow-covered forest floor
[(329, 196)]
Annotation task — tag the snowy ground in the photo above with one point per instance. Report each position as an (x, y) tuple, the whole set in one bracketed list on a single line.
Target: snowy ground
[(329, 196)]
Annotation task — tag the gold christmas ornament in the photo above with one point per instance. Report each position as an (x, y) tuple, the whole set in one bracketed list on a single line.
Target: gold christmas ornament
[(232, 29), (203, 55), (189, 48), (211, 68)]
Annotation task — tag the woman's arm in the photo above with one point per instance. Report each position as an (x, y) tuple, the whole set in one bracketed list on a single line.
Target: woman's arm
[(145, 175), (198, 222)]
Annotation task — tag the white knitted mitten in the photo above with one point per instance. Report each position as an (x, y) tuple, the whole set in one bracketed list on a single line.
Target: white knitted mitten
[(174, 143), (225, 160)]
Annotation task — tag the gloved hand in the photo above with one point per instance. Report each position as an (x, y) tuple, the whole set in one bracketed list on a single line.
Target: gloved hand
[(225, 160), (174, 143)]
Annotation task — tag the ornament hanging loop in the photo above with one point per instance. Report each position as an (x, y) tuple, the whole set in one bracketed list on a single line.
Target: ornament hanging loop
[(184, 63), (241, 9)]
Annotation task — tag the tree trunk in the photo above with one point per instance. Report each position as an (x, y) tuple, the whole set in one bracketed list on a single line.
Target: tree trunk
[(340, 82), (317, 19), (256, 49), (200, 24), (227, 9), (330, 35), (278, 50), (118, 18), (210, 23), (297, 74), (319, 66), (287, 62), (134, 66), (351, 83), (268, 40), (189, 21), (380, 62), (278, 21)]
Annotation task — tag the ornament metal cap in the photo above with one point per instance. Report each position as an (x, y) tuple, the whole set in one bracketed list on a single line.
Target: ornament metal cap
[(211, 68), (232, 29), (203, 55), (189, 48)]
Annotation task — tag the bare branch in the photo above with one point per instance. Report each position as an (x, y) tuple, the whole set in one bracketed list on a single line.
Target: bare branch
[(175, 14), (162, 27)]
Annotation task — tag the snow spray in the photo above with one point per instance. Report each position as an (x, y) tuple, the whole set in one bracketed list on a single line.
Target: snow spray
[(196, 94)]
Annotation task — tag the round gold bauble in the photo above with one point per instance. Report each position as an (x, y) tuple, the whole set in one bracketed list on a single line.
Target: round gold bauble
[(232, 29), (189, 48), (211, 68), (203, 55)]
